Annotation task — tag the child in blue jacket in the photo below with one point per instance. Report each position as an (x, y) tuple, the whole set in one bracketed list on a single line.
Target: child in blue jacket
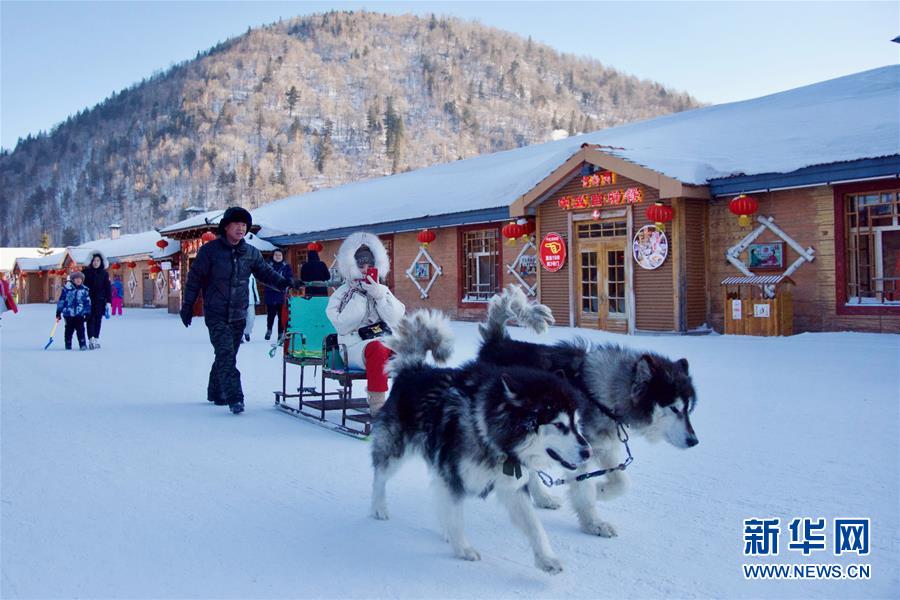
[(75, 305)]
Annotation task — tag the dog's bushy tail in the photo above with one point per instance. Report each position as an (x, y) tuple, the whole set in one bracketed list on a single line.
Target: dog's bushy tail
[(512, 303), (415, 335)]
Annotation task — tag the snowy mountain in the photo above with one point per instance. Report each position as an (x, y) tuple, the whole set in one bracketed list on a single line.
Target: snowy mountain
[(301, 105)]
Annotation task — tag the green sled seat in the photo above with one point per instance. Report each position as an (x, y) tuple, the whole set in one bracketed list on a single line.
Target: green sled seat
[(311, 341)]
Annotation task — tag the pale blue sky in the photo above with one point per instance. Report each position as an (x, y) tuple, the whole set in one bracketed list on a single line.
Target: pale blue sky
[(59, 57)]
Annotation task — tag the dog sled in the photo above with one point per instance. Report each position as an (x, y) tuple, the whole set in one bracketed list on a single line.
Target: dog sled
[(311, 342)]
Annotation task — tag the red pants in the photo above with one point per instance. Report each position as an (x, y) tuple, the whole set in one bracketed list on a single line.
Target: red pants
[(116, 305), (376, 356)]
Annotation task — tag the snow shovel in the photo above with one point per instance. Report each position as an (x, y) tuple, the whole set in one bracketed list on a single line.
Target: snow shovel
[(52, 333)]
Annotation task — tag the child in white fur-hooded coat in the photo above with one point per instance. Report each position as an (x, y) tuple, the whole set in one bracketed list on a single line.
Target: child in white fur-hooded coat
[(360, 302)]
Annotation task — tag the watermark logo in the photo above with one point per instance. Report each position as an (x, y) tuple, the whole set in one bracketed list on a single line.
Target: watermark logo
[(807, 535)]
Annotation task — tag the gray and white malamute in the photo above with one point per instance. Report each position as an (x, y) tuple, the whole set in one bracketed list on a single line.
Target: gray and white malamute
[(481, 429), (644, 391)]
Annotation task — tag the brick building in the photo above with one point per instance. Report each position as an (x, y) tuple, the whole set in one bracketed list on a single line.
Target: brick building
[(820, 164)]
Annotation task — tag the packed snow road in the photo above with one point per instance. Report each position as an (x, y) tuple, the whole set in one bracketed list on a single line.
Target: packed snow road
[(120, 480)]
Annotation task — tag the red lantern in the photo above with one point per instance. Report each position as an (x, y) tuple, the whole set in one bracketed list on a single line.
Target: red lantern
[(511, 231), (115, 266), (743, 206), (660, 214), (155, 269), (527, 228), (207, 237), (426, 236), (23, 275), (132, 265), (314, 247), (161, 244)]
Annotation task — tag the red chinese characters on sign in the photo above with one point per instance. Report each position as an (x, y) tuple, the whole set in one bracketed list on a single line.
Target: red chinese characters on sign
[(631, 195), (553, 252), (598, 179)]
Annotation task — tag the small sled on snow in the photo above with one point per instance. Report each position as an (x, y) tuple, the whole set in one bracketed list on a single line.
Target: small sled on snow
[(324, 396)]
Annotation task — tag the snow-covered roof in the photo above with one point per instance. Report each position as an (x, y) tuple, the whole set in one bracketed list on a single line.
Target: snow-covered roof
[(8, 256), (40, 263), (128, 245), (844, 119), (212, 218)]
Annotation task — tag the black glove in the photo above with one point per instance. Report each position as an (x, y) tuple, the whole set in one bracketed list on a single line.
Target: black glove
[(187, 314), (58, 315), (297, 284)]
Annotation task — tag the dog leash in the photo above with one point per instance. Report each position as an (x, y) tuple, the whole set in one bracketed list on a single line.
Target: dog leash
[(622, 433)]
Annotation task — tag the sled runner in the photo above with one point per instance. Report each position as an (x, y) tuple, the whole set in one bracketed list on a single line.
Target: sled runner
[(310, 341)]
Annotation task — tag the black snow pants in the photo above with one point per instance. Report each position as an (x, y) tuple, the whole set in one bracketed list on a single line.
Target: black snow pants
[(273, 311), (74, 325), (224, 378)]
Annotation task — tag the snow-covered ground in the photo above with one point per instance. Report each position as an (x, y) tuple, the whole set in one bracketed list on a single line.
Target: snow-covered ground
[(119, 480)]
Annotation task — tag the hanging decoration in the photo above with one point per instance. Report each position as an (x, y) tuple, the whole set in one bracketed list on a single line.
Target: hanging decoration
[(650, 247), (207, 236), (160, 287), (525, 265), (527, 228), (511, 231), (660, 214), (743, 206), (115, 266), (132, 283), (418, 270), (161, 244), (595, 214), (425, 237), (132, 265), (732, 255), (315, 247)]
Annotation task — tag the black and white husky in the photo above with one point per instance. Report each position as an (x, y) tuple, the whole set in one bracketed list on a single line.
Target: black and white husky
[(649, 393), (481, 429)]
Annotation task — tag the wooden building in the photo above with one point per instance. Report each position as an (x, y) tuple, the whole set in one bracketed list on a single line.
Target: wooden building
[(642, 220)]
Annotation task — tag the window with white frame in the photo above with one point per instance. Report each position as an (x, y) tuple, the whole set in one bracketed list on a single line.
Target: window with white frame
[(872, 226), (481, 260)]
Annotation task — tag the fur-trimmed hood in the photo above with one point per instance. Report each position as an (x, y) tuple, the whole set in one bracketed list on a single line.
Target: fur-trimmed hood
[(90, 259), (346, 264)]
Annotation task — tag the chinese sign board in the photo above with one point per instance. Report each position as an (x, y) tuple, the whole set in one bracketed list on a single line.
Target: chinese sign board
[(622, 197), (552, 252)]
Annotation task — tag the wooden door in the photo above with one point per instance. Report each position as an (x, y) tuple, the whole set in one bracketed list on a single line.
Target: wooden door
[(601, 285)]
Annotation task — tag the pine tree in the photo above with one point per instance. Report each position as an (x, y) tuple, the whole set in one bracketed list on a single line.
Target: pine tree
[(45, 245), (292, 96)]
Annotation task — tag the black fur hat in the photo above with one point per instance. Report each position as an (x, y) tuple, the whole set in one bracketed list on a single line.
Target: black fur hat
[(235, 214)]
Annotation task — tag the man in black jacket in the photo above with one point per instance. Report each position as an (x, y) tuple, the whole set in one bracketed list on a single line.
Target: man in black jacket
[(222, 270)]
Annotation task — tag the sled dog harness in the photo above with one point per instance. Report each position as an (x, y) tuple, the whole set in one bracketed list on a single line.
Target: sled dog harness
[(622, 433)]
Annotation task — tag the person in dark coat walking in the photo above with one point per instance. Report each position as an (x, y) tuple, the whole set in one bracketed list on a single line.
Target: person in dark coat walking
[(222, 272), (315, 270), (96, 279), (275, 298)]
